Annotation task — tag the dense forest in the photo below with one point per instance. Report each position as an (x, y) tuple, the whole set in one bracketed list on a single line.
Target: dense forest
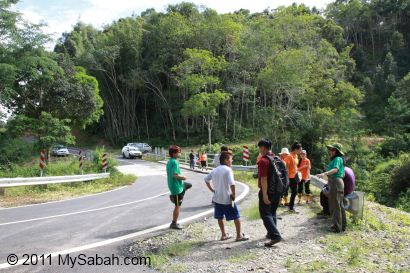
[(192, 76)]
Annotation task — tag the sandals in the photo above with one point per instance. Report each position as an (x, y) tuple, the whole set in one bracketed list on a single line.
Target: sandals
[(242, 238), (227, 237)]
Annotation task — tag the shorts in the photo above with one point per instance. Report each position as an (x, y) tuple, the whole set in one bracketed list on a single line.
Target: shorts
[(203, 163), (177, 198), (227, 211)]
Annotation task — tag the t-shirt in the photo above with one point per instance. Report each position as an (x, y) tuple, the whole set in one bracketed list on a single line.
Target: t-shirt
[(305, 169), (263, 169), (175, 186), (222, 180), (202, 157), (338, 163), (349, 180), (216, 160), (291, 163), (191, 156)]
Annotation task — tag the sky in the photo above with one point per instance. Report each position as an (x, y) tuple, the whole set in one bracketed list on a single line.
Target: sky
[(61, 15)]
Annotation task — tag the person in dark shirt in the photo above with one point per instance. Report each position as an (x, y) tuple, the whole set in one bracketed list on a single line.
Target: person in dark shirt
[(192, 160), (268, 204)]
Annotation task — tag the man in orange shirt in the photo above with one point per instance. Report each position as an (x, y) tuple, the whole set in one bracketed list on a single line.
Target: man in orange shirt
[(292, 162), (304, 168)]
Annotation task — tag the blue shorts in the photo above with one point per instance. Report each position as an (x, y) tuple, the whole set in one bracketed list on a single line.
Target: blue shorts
[(227, 211)]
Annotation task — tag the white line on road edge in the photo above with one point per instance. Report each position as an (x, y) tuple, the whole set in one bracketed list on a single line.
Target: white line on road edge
[(83, 211), (129, 236), (65, 200)]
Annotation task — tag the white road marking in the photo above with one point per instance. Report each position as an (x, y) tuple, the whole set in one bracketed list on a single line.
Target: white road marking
[(83, 211), (70, 199), (128, 236)]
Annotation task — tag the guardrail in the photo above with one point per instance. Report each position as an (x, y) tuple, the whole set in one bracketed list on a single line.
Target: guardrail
[(30, 181)]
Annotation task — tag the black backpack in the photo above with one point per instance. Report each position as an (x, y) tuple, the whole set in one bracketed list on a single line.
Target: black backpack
[(278, 179)]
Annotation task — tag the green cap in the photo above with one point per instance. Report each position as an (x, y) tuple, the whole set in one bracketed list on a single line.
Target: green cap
[(336, 146)]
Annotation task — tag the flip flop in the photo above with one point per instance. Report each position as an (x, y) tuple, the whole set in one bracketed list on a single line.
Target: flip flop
[(242, 239), (227, 237)]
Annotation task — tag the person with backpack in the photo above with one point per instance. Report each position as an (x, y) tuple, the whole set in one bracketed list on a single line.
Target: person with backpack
[(292, 162), (192, 160), (304, 168), (176, 185), (221, 182), (272, 182), (335, 172)]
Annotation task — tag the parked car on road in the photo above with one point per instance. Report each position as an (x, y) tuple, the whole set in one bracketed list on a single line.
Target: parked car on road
[(59, 150), (131, 152), (143, 147)]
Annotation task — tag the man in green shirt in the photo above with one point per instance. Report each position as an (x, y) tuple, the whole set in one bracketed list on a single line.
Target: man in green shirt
[(176, 185)]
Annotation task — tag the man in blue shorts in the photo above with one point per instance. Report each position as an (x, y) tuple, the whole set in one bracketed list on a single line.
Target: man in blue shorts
[(221, 182)]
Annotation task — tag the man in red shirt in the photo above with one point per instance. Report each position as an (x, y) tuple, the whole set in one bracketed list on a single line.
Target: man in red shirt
[(268, 204)]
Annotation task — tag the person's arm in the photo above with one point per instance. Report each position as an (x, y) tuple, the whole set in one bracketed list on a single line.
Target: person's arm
[(179, 177), (208, 180), (264, 185), (233, 194)]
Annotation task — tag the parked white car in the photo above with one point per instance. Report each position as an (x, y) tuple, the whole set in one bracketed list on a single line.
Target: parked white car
[(59, 150), (143, 147), (131, 152)]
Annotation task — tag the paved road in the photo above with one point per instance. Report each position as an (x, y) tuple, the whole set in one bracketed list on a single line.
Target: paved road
[(102, 224)]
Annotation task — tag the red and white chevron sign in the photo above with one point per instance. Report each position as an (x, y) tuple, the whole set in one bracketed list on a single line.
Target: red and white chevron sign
[(245, 153), (104, 161), (42, 164)]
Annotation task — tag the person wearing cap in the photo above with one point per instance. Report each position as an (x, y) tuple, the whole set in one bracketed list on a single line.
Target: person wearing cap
[(335, 172), (304, 168), (283, 154), (292, 162), (176, 185)]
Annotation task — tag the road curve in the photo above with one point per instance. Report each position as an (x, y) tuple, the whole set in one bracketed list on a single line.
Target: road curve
[(101, 223)]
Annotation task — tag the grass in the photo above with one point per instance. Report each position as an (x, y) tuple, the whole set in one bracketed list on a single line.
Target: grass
[(241, 258), (22, 195), (247, 178)]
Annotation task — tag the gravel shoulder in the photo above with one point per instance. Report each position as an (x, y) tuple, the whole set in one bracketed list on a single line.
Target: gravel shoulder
[(378, 243)]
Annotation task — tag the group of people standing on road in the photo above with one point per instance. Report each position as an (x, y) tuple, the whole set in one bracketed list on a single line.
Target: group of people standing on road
[(201, 159), (272, 170)]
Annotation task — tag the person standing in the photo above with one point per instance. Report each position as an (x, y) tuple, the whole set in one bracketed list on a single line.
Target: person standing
[(221, 182), (268, 204), (203, 158), (335, 172), (292, 161), (216, 158), (304, 168), (192, 160), (283, 154), (176, 185)]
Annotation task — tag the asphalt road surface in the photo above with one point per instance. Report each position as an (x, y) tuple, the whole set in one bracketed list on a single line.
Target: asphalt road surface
[(100, 225)]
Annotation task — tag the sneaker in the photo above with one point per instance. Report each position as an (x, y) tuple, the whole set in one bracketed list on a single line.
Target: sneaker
[(175, 226), (272, 242), (293, 211)]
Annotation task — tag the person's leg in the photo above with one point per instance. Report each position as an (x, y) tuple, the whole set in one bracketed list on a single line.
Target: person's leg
[(335, 200), (324, 202), (222, 228), (175, 214), (275, 199), (293, 186), (300, 191), (308, 192), (344, 221), (265, 212), (237, 223)]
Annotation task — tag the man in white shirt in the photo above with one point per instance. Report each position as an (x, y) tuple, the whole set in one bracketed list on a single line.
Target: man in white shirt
[(221, 182)]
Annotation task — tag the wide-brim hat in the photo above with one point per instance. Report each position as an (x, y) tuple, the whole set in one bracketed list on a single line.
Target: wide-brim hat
[(336, 146), (284, 151)]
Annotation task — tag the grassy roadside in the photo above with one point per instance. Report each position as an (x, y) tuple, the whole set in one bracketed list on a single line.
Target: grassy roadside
[(378, 243), (23, 195)]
